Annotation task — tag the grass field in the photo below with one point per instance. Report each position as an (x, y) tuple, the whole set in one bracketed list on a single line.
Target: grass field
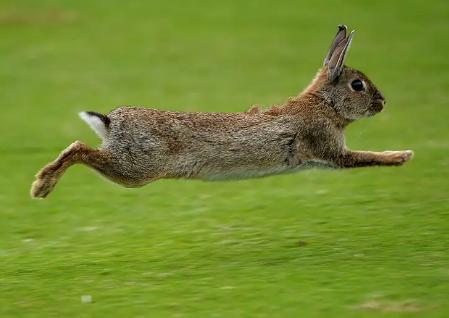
[(354, 243)]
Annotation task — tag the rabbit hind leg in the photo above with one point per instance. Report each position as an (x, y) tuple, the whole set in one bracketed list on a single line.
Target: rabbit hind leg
[(49, 175)]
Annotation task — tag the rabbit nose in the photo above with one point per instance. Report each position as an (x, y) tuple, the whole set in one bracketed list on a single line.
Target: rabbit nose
[(378, 96)]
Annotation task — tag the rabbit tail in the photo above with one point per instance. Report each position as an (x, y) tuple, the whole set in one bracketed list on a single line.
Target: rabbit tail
[(98, 122)]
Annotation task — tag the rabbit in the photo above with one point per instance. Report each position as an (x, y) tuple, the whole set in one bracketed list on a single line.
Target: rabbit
[(141, 145)]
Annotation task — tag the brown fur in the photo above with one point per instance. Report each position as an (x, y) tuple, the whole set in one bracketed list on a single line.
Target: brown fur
[(255, 109), (142, 145)]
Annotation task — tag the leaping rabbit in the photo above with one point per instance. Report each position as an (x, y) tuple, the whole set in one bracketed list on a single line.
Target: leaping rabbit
[(141, 145)]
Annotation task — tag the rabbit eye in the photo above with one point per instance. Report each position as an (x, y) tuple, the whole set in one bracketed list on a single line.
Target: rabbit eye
[(357, 85)]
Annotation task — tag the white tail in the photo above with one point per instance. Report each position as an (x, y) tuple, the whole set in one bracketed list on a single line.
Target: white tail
[(98, 122)]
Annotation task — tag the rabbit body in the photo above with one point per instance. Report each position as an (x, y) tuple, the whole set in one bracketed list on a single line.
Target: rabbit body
[(149, 144), (141, 145)]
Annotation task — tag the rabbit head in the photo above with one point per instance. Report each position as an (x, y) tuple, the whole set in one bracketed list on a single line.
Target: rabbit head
[(349, 91)]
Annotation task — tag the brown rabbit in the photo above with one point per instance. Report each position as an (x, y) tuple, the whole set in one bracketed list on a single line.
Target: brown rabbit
[(141, 145)]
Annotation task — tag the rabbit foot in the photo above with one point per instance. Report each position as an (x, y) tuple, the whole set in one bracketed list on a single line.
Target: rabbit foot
[(47, 178), (399, 157), (41, 187)]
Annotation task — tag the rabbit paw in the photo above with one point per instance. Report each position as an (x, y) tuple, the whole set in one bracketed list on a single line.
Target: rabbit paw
[(46, 180), (44, 183), (41, 187), (399, 157)]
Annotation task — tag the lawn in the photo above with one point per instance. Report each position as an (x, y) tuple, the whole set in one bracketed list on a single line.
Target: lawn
[(353, 243)]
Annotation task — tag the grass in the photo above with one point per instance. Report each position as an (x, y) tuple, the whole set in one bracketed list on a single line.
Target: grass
[(355, 243)]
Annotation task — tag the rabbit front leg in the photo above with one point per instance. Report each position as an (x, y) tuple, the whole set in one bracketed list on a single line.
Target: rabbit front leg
[(354, 159)]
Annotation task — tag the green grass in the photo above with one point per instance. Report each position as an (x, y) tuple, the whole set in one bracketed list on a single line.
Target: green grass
[(355, 243)]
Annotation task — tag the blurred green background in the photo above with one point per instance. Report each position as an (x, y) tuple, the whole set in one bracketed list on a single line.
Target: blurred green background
[(353, 243)]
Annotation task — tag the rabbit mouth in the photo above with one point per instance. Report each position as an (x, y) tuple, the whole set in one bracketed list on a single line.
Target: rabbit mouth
[(377, 106)]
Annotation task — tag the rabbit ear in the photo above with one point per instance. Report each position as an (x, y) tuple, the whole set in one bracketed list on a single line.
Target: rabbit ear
[(339, 37), (336, 61)]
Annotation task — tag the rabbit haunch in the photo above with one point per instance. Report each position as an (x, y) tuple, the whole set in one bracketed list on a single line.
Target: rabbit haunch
[(141, 145)]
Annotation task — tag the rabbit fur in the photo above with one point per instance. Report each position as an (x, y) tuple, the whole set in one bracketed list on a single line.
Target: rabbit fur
[(140, 145)]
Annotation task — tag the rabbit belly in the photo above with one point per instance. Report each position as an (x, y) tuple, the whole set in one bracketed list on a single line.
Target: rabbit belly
[(312, 164), (241, 173), (252, 172)]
